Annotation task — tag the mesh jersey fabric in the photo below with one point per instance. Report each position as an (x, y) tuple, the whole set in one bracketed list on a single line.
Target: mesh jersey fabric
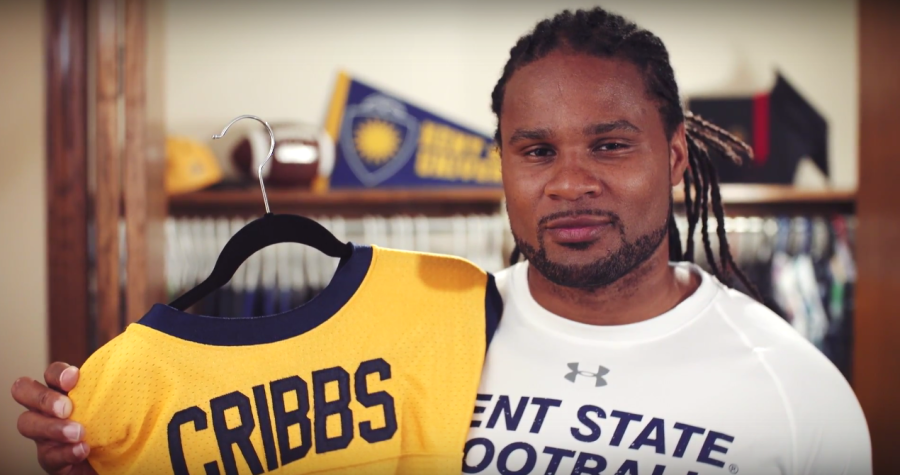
[(377, 375)]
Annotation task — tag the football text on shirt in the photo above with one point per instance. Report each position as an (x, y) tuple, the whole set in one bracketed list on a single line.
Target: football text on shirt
[(312, 412), (481, 452)]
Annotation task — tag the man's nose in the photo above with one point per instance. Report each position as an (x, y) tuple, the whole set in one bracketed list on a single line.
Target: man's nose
[(571, 181)]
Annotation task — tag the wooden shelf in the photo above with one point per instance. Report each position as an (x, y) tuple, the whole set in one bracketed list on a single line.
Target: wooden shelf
[(350, 203), (739, 200), (750, 200), (768, 194)]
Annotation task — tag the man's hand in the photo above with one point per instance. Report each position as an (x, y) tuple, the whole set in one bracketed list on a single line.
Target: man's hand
[(61, 450)]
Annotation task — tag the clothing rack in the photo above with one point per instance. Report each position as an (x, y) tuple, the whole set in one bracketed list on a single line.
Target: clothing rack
[(804, 269), (297, 273), (797, 252)]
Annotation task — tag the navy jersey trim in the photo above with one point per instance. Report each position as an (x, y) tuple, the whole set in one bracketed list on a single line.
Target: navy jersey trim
[(493, 308), (220, 331)]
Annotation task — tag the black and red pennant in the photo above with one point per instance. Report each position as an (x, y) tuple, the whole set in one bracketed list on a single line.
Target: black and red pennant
[(781, 127)]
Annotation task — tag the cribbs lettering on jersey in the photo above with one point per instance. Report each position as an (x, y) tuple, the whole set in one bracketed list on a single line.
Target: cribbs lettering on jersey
[(376, 375), (265, 404)]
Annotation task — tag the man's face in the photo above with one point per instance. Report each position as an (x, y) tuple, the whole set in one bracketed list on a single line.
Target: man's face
[(587, 168)]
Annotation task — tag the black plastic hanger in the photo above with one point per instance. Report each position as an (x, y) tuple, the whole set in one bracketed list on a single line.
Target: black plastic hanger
[(260, 233)]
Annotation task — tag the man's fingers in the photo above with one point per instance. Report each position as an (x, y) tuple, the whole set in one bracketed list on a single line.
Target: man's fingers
[(61, 376), (60, 458), (37, 397), (41, 428)]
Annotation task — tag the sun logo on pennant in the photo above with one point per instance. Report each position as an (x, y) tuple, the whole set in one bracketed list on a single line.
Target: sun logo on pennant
[(377, 141)]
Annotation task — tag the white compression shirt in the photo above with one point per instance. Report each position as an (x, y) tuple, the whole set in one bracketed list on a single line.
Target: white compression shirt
[(717, 385)]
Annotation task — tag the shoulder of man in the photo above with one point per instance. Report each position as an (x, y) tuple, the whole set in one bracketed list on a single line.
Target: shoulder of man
[(780, 346), (829, 426)]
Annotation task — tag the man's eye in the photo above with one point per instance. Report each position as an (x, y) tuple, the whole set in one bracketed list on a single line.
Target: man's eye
[(611, 147), (539, 152)]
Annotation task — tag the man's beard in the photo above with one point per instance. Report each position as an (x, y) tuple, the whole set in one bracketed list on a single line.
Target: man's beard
[(601, 272)]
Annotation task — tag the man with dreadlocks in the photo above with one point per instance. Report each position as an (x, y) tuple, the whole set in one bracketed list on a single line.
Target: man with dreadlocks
[(615, 354), (611, 355)]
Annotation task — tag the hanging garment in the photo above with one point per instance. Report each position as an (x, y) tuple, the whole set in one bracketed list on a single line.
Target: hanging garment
[(377, 374), (787, 293), (840, 306), (817, 324)]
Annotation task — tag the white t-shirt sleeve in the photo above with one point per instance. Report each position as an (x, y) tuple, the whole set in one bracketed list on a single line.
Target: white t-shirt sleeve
[(829, 430)]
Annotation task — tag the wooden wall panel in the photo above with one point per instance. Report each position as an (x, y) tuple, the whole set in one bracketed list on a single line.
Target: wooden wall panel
[(105, 165), (67, 129), (134, 160), (144, 160), (877, 332), (107, 194), (155, 150)]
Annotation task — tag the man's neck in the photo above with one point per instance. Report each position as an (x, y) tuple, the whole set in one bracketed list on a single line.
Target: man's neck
[(649, 290)]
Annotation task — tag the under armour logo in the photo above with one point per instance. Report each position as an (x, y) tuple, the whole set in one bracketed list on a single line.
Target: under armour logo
[(601, 372)]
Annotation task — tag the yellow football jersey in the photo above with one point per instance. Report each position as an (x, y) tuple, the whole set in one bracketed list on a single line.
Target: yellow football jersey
[(377, 374)]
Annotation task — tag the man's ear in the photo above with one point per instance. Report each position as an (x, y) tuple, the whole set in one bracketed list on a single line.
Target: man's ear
[(678, 156)]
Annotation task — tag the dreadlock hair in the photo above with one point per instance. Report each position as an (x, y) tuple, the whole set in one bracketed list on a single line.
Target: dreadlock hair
[(600, 33)]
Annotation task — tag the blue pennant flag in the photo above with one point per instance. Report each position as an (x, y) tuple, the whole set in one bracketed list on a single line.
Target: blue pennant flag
[(382, 141)]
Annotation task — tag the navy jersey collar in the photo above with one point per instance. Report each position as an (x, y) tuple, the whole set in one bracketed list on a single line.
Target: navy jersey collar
[(222, 331)]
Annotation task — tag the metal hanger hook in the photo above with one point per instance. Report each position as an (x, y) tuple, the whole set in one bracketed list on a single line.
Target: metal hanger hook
[(262, 186)]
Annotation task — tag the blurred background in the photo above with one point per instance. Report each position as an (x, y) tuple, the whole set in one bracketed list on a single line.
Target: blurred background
[(113, 195)]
